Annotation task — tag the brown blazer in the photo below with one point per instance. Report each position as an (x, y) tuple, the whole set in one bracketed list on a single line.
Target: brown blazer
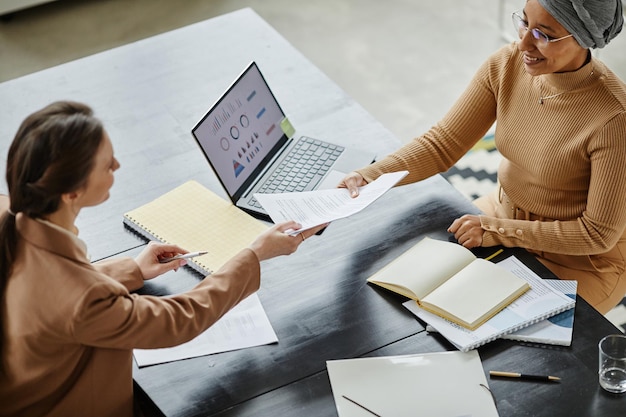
[(70, 326)]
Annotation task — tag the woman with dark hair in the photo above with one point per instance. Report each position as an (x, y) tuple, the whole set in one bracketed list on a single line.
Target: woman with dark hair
[(68, 326), (560, 117)]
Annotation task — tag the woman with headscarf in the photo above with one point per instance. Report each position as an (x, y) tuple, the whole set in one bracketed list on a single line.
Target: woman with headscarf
[(561, 130)]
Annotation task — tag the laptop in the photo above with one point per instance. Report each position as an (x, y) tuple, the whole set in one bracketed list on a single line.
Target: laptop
[(246, 139)]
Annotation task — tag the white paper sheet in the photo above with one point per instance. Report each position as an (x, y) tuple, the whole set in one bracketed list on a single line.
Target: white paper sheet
[(450, 384), (244, 326), (312, 208)]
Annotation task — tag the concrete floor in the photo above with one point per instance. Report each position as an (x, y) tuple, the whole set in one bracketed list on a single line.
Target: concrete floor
[(405, 61)]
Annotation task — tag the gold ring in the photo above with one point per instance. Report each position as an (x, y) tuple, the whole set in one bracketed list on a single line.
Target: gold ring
[(302, 236)]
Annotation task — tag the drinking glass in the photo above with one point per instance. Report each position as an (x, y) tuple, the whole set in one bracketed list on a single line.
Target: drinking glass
[(612, 363)]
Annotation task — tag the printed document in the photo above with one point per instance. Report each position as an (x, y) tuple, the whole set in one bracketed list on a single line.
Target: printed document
[(312, 208), (244, 326), (556, 330)]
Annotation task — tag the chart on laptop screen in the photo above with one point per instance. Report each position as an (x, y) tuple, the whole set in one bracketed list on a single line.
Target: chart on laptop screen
[(241, 129)]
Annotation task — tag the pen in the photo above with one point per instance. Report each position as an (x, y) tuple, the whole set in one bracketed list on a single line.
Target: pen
[(546, 378), (183, 256), (493, 255), (365, 408)]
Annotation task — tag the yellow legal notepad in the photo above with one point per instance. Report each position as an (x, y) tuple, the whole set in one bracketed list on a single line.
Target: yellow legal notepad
[(193, 217)]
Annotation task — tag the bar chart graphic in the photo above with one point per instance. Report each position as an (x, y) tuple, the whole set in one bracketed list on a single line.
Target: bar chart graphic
[(222, 116)]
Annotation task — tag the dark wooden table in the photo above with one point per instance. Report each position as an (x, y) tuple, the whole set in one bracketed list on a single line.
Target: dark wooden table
[(149, 94), (322, 309)]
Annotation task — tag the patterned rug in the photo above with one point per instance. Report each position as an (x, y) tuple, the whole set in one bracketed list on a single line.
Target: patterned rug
[(474, 175)]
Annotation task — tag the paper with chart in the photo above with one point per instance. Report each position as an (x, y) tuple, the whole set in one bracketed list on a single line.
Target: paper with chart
[(556, 330), (538, 303), (244, 326), (312, 208)]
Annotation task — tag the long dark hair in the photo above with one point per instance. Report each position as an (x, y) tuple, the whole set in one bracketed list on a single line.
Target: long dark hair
[(52, 154)]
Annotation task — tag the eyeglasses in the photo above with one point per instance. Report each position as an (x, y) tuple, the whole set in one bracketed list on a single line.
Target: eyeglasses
[(542, 39)]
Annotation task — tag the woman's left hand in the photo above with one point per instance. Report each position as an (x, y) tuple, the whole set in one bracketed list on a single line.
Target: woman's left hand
[(149, 259), (467, 230)]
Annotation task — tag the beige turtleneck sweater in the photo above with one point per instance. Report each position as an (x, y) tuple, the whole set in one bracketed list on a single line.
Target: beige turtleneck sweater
[(564, 159)]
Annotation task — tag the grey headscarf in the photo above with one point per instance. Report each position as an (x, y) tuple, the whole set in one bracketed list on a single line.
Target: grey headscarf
[(592, 22)]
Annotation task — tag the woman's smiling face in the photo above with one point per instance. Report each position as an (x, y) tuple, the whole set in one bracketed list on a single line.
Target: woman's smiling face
[(545, 58)]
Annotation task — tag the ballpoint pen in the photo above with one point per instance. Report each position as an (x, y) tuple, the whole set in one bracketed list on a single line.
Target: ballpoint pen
[(183, 256), (546, 378)]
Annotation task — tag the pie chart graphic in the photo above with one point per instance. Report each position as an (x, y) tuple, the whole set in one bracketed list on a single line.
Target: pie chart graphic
[(234, 132)]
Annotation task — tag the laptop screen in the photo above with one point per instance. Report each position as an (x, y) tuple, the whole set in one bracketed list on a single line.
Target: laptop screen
[(242, 131)]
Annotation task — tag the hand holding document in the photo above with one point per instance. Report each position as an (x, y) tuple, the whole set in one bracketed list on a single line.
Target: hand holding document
[(313, 208)]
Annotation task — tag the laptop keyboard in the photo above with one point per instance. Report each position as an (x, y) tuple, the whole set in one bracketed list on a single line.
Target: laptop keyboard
[(305, 165)]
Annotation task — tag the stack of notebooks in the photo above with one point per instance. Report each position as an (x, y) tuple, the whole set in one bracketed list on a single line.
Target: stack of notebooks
[(193, 217), (472, 301)]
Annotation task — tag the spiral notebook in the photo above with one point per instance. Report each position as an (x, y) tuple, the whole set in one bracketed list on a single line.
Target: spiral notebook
[(556, 330), (196, 219)]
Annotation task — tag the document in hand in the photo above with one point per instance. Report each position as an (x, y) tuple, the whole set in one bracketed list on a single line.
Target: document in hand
[(313, 208), (539, 303), (448, 280), (429, 384)]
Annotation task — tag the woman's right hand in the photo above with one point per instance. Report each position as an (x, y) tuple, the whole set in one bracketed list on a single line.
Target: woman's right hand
[(352, 182), (275, 242)]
